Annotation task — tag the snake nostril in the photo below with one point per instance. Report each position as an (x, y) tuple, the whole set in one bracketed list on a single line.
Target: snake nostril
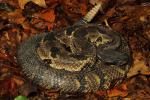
[(48, 61), (67, 48), (99, 39)]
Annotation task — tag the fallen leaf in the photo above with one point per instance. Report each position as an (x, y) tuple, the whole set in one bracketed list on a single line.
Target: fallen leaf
[(117, 92), (138, 87), (16, 16), (101, 93), (48, 15), (38, 2), (83, 8), (9, 85), (139, 65), (44, 20), (121, 90)]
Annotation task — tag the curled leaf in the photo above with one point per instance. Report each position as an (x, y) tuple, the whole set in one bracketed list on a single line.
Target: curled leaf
[(22, 3)]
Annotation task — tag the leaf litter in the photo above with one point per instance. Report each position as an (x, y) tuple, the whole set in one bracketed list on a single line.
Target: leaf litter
[(21, 19)]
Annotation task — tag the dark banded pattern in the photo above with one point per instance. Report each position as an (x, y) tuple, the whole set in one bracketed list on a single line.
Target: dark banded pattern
[(81, 58)]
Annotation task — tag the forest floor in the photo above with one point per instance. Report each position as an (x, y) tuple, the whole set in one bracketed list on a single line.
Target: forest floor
[(21, 19)]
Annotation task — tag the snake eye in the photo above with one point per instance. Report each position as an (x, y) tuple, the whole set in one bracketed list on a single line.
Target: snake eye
[(54, 51)]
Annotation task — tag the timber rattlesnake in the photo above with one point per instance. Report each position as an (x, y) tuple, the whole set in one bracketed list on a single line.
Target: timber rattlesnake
[(81, 58)]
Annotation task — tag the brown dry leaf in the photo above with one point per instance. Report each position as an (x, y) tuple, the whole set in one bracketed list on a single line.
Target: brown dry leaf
[(139, 87), (44, 19), (38, 2), (101, 93), (139, 65), (83, 8), (121, 90), (117, 92), (48, 15), (9, 85), (16, 16)]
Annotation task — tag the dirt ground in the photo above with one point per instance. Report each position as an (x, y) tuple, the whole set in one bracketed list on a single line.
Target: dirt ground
[(21, 19)]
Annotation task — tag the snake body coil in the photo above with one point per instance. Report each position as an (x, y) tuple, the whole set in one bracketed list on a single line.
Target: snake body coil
[(81, 58)]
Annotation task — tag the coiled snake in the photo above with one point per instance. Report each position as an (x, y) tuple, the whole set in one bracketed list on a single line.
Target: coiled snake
[(83, 57)]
